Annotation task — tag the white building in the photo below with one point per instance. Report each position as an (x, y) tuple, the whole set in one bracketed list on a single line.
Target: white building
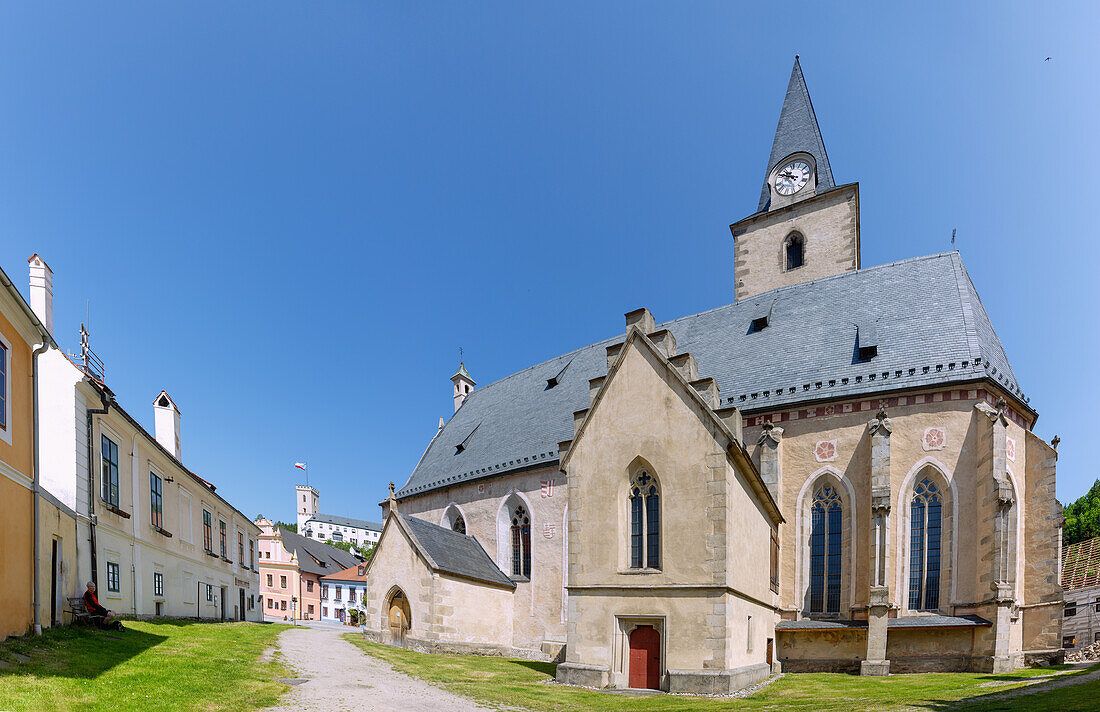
[(330, 527), (1081, 589), (154, 536), (343, 595)]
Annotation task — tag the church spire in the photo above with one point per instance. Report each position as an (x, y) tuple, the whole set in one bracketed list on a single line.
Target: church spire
[(797, 132)]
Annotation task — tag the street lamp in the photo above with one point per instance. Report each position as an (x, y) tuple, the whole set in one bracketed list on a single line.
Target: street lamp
[(293, 607)]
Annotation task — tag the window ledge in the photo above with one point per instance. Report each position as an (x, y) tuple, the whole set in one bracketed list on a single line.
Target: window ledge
[(520, 579), (640, 572), (228, 561), (162, 532), (112, 508), (210, 553)]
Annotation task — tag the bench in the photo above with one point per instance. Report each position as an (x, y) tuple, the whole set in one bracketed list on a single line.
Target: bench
[(80, 613)]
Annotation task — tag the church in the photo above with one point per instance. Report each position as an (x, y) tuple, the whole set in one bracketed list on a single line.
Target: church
[(836, 472)]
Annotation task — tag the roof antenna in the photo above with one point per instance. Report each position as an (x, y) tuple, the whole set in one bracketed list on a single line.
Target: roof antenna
[(460, 354), (952, 239)]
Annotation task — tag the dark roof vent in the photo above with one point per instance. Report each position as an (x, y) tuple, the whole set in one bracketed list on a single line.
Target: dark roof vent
[(866, 340), (761, 317), (556, 379), (466, 441)]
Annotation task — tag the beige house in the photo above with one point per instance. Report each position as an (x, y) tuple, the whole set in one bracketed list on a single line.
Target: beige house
[(854, 485)]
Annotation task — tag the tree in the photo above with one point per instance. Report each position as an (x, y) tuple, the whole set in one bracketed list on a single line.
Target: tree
[(289, 527), (1082, 517)]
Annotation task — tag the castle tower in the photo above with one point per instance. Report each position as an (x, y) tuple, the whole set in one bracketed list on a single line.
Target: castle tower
[(806, 227), (305, 504)]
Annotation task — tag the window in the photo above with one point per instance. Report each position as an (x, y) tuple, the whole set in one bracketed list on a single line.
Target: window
[(645, 522), (1098, 604), (251, 554), (3, 386), (156, 500), (269, 581), (826, 518), (351, 595), (309, 586), (282, 582), (270, 603), (521, 543), (795, 250), (362, 572), (324, 611), (240, 547), (109, 451), (221, 538), (1071, 609), (324, 592), (207, 532), (1096, 637), (925, 513), (748, 628), (459, 525), (282, 605), (209, 593), (1069, 641), (311, 609), (112, 576), (339, 593), (775, 563), (158, 583)]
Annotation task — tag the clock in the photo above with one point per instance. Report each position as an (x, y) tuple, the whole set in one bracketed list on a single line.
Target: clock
[(792, 177)]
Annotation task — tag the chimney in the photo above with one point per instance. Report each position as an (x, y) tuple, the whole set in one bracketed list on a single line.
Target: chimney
[(463, 385), (167, 424), (42, 290)]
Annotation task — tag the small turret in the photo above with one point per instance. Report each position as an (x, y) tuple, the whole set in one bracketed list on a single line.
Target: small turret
[(463, 384)]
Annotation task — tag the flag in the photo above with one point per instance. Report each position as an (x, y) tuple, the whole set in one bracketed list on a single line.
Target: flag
[(300, 465)]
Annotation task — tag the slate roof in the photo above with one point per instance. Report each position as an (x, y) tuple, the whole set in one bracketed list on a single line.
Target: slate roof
[(455, 553), (1081, 564), (891, 623), (316, 557), (798, 131), (931, 327), (345, 522)]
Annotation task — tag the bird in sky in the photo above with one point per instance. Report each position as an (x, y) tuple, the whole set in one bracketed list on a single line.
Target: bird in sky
[(1048, 59)]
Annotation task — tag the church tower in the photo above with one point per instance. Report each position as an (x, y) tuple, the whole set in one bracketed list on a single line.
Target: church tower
[(306, 505), (806, 227)]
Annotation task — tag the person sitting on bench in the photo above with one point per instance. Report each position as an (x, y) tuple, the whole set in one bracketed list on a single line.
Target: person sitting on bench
[(92, 604)]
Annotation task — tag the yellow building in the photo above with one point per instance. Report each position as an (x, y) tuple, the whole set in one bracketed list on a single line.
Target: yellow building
[(22, 338)]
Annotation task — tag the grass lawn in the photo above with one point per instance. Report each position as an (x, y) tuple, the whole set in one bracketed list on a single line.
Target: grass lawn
[(522, 683), (164, 665)]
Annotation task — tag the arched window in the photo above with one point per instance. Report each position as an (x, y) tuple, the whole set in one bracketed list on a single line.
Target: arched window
[(521, 543), (645, 522), (925, 522), (826, 518), (795, 250), (459, 525)]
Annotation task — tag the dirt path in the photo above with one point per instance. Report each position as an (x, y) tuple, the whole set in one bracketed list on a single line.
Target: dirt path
[(1041, 684), (340, 677)]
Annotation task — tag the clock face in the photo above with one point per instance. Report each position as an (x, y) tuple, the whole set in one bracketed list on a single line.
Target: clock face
[(792, 177)]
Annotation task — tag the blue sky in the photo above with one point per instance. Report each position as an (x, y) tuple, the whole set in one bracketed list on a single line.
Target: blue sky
[(291, 215)]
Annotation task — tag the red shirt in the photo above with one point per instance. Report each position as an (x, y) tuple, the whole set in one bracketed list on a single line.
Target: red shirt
[(92, 603)]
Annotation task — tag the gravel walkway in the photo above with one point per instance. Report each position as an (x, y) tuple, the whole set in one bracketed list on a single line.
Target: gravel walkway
[(340, 677)]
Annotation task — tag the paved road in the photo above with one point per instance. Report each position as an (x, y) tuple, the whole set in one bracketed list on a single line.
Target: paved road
[(341, 677)]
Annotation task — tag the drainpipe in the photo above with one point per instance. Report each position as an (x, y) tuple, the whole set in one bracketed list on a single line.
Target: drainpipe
[(91, 485), (41, 349)]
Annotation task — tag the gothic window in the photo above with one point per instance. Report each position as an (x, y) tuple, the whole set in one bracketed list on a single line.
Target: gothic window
[(645, 522), (521, 543), (795, 251), (826, 518), (925, 517), (459, 525)]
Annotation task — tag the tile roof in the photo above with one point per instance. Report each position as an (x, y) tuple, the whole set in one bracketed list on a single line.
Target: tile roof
[(454, 553), (1081, 564), (798, 131), (351, 573), (316, 557), (806, 353), (892, 623), (345, 522)]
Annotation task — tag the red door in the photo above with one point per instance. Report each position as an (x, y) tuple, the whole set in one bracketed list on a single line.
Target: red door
[(645, 658)]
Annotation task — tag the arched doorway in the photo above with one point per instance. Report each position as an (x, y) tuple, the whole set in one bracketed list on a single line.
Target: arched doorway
[(400, 617), (645, 658)]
